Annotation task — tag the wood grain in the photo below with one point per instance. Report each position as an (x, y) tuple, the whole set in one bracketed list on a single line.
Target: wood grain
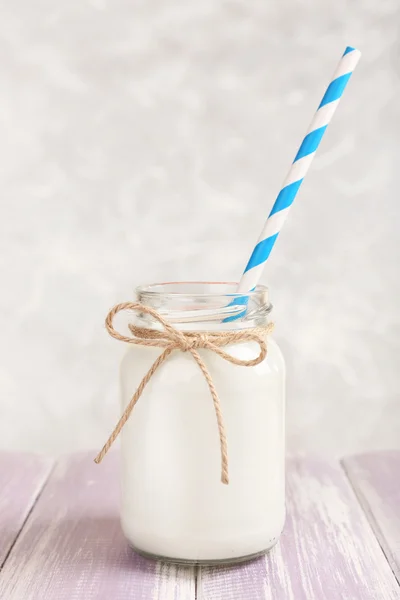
[(376, 481), (72, 546), (22, 476), (327, 552)]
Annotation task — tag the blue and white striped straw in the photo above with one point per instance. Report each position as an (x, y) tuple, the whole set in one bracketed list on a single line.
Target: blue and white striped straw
[(299, 169)]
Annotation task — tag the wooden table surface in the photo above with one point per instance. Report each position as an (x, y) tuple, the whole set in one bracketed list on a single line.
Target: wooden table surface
[(60, 537)]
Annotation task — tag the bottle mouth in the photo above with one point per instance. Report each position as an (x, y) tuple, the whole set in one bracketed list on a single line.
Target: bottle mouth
[(198, 288), (201, 302)]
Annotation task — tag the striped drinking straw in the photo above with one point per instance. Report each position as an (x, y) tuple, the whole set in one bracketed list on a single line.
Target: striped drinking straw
[(298, 170)]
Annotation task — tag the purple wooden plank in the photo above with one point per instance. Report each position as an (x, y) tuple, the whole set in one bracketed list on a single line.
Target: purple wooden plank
[(327, 551), (72, 545), (22, 476), (376, 481)]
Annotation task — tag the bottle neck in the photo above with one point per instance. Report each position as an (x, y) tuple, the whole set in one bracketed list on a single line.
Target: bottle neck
[(205, 306)]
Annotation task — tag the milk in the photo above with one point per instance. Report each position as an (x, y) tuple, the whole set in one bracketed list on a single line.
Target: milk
[(173, 502)]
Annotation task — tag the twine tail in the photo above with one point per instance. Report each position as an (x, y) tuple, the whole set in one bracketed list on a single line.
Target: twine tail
[(126, 414), (218, 414)]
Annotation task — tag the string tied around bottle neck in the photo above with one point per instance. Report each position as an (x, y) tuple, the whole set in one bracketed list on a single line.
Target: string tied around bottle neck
[(170, 339)]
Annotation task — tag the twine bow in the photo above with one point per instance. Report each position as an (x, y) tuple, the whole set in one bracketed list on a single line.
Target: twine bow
[(172, 339)]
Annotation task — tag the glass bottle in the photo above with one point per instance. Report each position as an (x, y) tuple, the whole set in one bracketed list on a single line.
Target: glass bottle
[(174, 506)]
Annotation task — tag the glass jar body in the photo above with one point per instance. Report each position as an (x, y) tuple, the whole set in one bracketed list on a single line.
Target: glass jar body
[(174, 505)]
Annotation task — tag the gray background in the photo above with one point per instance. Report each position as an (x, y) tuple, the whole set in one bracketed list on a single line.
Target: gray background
[(145, 141)]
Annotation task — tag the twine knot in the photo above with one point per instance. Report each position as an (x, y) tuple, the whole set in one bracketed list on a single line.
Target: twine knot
[(172, 339), (193, 342)]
